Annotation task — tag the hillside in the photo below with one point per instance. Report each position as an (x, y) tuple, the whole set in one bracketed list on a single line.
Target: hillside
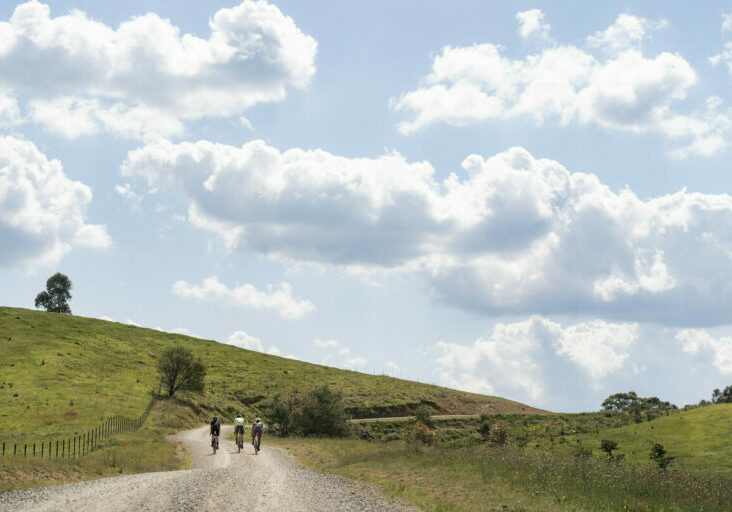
[(60, 374), (698, 438)]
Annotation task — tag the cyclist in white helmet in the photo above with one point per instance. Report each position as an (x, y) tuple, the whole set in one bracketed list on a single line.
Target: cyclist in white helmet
[(238, 427)]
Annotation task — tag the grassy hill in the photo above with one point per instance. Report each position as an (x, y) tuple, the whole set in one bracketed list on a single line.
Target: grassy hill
[(698, 438), (60, 374)]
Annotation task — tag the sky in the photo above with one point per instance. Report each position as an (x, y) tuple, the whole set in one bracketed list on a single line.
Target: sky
[(528, 200)]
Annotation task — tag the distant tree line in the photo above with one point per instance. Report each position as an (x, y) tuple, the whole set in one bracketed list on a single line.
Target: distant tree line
[(637, 406)]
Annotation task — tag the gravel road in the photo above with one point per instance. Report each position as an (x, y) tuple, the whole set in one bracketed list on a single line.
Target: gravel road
[(272, 480)]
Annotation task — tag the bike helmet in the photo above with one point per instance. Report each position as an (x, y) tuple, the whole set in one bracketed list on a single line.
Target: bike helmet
[(215, 419), (238, 415), (257, 420)]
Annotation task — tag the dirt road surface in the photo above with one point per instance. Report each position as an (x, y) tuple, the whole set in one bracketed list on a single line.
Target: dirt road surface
[(272, 480)]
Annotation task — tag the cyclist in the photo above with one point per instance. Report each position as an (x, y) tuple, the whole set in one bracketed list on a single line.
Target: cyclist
[(215, 430), (257, 428), (238, 427)]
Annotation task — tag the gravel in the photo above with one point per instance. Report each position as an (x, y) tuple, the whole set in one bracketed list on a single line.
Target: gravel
[(272, 479)]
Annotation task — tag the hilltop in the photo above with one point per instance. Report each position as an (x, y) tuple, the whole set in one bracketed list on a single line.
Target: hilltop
[(62, 373)]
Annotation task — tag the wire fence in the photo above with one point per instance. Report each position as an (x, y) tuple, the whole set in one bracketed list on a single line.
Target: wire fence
[(78, 445)]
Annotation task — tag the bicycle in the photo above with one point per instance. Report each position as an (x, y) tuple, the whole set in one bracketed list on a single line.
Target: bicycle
[(215, 443), (239, 441), (255, 442)]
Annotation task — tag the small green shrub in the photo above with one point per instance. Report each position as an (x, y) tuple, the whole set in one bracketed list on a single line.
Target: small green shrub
[(659, 456), (424, 415), (608, 446)]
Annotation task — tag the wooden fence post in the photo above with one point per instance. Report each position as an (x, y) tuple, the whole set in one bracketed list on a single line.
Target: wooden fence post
[(25, 449), (3, 448), (15, 446), (57, 449)]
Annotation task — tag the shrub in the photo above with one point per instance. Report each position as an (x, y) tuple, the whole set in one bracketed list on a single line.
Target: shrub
[(485, 429), (659, 456), (424, 414), (279, 415), (608, 446), (498, 433), (321, 412), (423, 434)]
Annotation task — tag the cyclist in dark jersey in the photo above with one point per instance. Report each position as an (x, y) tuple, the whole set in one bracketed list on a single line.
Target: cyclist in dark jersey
[(257, 429), (215, 429)]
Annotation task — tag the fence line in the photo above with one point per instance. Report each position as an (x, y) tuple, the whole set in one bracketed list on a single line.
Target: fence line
[(82, 444)]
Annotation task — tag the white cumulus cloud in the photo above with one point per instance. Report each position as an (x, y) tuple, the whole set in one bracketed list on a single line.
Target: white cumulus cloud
[(517, 358), (698, 340), (532, 24), (145, 77), (625, 90), (243, 340), (42, 211), (279, 299)]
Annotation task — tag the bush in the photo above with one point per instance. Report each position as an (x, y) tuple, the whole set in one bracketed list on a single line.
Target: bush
[(485, 429), (319, 412), (498, 433), (279, 415), (424, 415), (659, 456), (608, 446), (423, 434)]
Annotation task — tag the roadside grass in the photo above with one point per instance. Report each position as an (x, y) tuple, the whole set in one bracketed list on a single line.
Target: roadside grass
[(62, 374), (136, 452), (480, 478)]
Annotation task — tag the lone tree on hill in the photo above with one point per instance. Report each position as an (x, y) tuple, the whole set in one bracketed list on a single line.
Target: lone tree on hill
[(180, 370), (57, 293)]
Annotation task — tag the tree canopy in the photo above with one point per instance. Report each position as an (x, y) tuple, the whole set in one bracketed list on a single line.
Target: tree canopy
[(57, 294), (179, 369), (631, 402)]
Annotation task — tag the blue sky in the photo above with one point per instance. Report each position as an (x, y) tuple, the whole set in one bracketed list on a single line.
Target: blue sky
[(529, 200)]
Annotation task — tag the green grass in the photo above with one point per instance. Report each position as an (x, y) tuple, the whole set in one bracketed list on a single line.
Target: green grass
[(700, 439), (62, 374), (482, 478), (135, 452)]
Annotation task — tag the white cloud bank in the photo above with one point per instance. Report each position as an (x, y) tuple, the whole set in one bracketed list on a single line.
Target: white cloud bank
[(81, 76), (623, 90), (510, 234), (279, 299), (42, 211), (514, 358)]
